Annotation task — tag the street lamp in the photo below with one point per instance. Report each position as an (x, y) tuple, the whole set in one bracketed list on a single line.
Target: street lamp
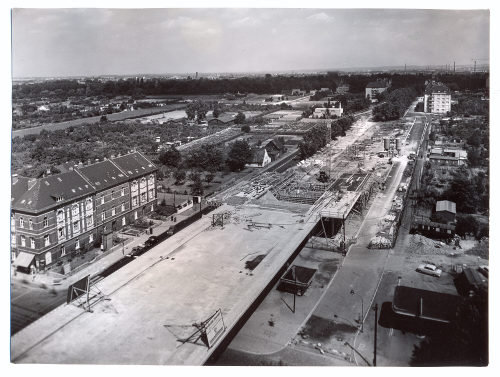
[(362, 307)]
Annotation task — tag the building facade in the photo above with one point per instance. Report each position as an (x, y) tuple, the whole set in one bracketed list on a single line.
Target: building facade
[(437, 98), (55, 216)]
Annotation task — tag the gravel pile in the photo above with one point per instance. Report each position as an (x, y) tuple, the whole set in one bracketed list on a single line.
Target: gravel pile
[(421, 245)]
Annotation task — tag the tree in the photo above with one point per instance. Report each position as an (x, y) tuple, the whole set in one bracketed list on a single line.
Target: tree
[(245, 128), (180, 176), (104, 118), (209, 177), (239, 155), (197, 109), (170, 157), (197, 186), (239, 118)]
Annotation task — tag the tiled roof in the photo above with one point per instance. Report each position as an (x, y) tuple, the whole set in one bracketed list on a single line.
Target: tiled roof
[(103, 174), (18, 188), (435, 87), (45, 191), (134, 164)]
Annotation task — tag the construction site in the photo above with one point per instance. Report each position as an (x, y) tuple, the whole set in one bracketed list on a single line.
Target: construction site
[(177, 303)]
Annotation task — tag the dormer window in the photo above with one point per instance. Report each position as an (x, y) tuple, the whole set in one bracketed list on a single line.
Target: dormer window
[(59, 198)]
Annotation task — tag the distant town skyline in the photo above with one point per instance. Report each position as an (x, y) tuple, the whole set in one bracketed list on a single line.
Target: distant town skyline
[(92, 42)]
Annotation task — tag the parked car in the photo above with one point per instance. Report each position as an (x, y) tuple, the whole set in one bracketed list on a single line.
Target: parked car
[(429, 269), (153, 240), (137, 250)]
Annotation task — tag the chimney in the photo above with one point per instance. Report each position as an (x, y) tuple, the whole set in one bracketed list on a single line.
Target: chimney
[(31, 183)]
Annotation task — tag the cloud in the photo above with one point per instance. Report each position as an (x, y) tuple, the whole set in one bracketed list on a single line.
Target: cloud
[(245, 21), (321, 17)]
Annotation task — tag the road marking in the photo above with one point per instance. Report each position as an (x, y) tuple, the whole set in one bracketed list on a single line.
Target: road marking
[(391, 332)]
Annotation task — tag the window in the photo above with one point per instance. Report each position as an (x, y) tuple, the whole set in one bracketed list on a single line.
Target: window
[(90, 220), (48, 258), (113, 211), (134, 200), (74, 210), (91, 238), (30, 223), (46, 240), (13, 239), (45, 222), (32, 242), (77, 244), (63, 251), (152, 207), (143, 182), (134, 186), (60, 215), (88, 203), (103, 216), (122, 192), (102, 199), (124, 221), (123, 207), (23, 240), (151, 179), (21, 222), (76, 226), (135, 215), (112, 194), (60, 232), (143, 197), (151, 194)]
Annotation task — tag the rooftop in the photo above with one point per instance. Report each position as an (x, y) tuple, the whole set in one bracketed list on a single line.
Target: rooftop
[(435, 87), (49, 191), (446, 205)]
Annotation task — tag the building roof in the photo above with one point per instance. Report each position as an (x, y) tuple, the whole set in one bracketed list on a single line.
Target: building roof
[(430, 305), (257, 156), (18, 188), (103, 174), (377, 84), (134, 164), (446, 205), (44, 192), (223, 118), (435, 87)]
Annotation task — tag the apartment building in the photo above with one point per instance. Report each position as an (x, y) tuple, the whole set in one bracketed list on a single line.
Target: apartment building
[(437, 98), (54, 216)]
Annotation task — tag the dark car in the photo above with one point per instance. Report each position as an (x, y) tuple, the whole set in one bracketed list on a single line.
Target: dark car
[(153, 240), (136, 251)]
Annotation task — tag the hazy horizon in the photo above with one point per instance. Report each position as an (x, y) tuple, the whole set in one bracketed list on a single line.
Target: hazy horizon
[(106, 42)]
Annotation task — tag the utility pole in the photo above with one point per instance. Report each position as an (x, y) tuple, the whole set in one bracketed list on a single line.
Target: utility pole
[(295, 288), (375, 338), (453, 67)]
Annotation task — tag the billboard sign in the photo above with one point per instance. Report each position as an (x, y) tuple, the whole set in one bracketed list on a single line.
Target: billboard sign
[(214, 328), (77, 289)]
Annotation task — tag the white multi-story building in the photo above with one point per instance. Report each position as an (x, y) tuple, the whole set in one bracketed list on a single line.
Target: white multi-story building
[(437, 98)]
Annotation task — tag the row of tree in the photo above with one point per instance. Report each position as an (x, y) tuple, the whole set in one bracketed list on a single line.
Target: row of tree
[(209, 158), (394, 104), (261, 85)]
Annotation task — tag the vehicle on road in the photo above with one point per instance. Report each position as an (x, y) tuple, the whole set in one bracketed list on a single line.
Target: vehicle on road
[(429, 269), (153, 240), (137, 250)]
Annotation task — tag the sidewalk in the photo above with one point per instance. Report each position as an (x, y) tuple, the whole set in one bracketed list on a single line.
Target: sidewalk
[(117, 252)]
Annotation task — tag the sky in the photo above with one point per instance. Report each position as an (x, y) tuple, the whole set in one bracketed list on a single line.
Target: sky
[(76, 42)]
